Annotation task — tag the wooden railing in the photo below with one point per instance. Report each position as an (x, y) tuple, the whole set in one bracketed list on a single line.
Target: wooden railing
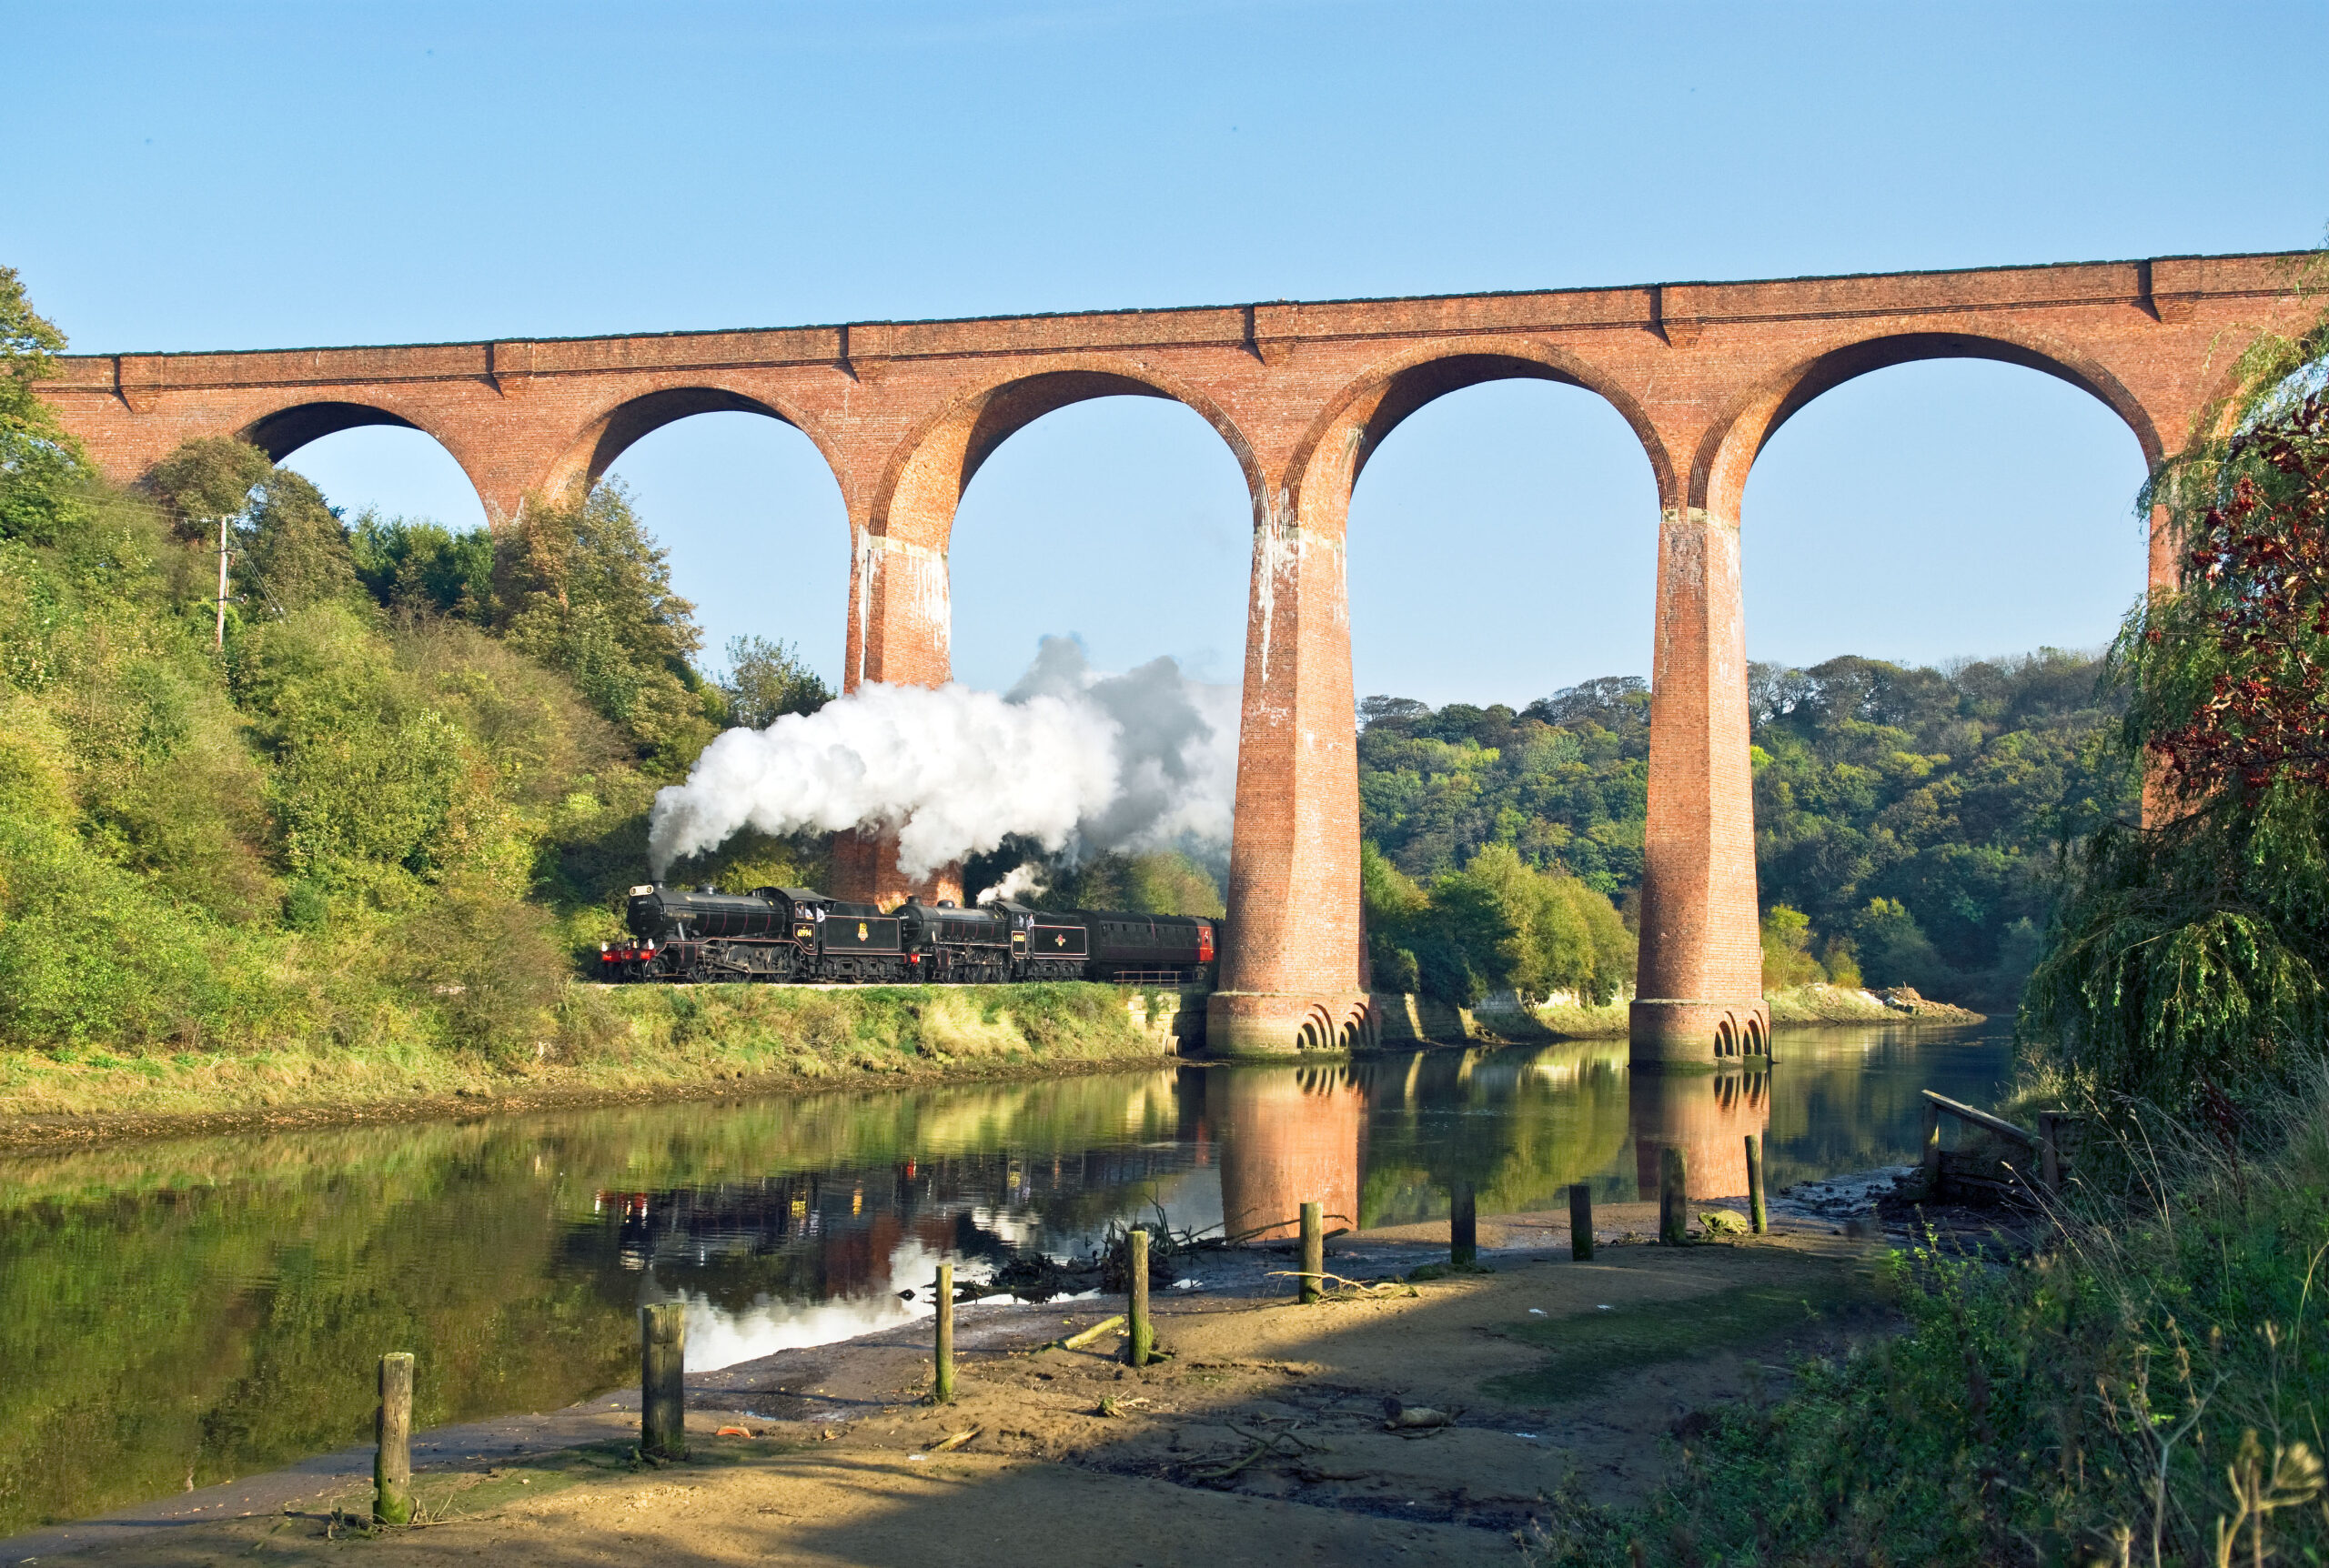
[(2047, 1145)]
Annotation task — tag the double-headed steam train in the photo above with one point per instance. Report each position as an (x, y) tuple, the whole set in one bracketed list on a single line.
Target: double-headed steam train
[(798, 934)]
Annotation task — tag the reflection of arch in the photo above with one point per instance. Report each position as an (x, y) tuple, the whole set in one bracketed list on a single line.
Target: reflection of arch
[(607, 436), (1364, 414), (286, 430), (926, 477), (1718, 471)]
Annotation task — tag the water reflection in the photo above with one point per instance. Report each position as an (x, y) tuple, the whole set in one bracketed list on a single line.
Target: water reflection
[(207, 1308), (1708, 1116), (1288, 1138)]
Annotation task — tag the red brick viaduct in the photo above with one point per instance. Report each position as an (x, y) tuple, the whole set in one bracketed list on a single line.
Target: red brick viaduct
[(905, 412)]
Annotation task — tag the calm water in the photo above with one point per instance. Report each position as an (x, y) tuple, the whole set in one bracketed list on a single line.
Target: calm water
[(197, 1310)]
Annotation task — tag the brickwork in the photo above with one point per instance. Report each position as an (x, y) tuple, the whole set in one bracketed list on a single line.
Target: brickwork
[(904, 412)]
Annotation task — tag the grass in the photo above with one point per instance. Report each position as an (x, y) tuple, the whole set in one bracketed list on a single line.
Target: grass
[(1587, 1352), (2146, 1388), (620, 1042)]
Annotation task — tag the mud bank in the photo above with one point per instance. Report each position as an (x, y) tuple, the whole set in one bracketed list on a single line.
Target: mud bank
[(1262, 1435)]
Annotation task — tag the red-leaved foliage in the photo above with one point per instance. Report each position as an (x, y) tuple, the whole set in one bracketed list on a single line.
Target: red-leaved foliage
[(2256, 584)]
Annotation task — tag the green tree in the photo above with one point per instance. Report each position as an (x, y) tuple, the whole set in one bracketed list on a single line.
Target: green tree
[(1787, 949), (1390, 904), (39, 463), (580, 585), (211, 478), (766, 680), (1892, 948), (2192, 953), (423, 568), (295, 550)]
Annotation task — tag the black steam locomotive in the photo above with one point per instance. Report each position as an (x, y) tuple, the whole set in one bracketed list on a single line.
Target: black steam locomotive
[(695, 935)]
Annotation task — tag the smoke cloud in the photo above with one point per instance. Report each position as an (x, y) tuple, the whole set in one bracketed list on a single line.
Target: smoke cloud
[(1071, 759)]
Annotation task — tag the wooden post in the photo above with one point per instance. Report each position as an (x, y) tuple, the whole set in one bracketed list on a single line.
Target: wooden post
[(942, 1380), (1673, 1198), (662, 1387), (1143, 1337), (1580, 1222), (1313, 1253), (392, 1429), (1463, 1226), (2050, 1150), (1757, 1215)]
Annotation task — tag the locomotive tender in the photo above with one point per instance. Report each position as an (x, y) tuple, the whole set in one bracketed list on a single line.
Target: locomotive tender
[(695, 935)]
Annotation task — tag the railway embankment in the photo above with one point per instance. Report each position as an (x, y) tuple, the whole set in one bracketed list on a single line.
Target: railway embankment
[(607, 1044)]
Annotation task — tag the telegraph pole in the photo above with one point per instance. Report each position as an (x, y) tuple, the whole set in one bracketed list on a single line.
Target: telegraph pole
[(222, 585)]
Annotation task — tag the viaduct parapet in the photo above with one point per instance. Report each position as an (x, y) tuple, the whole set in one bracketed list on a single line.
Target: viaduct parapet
[(1302, 394)]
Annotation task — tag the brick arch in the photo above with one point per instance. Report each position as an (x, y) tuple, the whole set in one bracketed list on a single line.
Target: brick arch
[(288, 428), (924, 479), (285, 430), (1727, 453), (1358, 418), (610, 431)]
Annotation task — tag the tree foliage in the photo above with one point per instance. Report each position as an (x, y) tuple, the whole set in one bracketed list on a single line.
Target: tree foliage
[(416, 566), (1499, 924), (2191, 952), (40, 465), (580, 585), (1911, 817), (766, 680), (416, 782)]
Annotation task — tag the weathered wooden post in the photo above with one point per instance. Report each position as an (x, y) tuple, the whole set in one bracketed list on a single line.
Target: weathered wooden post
[(1313, 1253), (1932, 1149), (942, 1381), (1143, 1337), (1673, 1198), (392, 1430), (2050, 1150), (1463, 1226), (662, 1385), (1580, 1221), (1755, 1214)]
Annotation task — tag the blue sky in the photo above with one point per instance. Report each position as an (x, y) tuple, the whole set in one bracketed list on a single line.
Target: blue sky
[(238, 176)]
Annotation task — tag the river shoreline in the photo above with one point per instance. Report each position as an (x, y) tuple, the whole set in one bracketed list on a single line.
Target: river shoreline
[(680, 1044), (639, 1045), (837, 1428)]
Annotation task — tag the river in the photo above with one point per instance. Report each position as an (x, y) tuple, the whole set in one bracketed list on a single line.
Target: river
[(179, 1313)]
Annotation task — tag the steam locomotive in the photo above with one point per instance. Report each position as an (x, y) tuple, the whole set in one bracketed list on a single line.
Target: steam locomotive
[(695, 935)]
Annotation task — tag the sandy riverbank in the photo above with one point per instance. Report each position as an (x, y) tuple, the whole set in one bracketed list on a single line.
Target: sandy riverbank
[(1262, 1439)]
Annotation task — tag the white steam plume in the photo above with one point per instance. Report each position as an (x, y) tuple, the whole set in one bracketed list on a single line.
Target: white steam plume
[(1066, 759), (1023, 880)]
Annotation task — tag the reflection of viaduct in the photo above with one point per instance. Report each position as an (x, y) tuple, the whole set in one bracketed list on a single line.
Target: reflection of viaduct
[(1288, 1138), (905, 412), (1707, 1118)]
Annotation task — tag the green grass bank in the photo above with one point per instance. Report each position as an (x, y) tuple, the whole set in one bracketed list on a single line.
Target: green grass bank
[(1412, 1019), (609, 1043)]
